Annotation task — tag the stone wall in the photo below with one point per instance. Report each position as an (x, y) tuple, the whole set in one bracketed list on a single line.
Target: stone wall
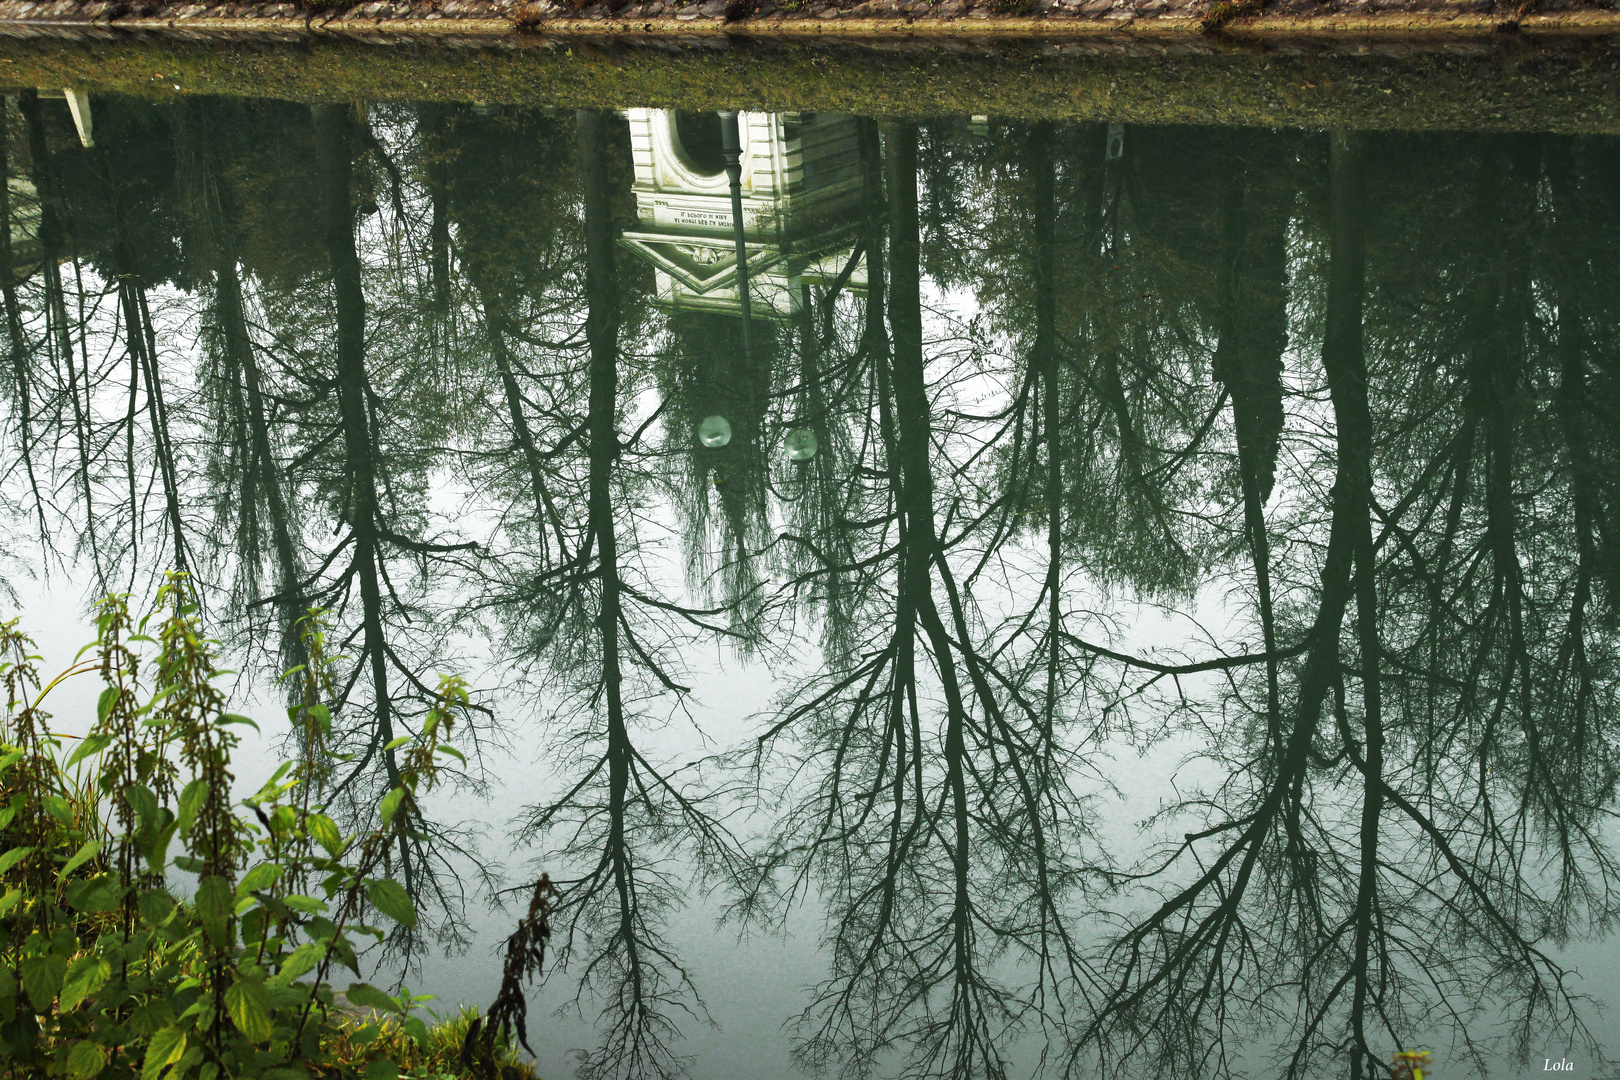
[(799, 17)]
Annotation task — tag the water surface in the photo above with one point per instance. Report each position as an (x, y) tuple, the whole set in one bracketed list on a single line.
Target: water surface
[(1128, 599)]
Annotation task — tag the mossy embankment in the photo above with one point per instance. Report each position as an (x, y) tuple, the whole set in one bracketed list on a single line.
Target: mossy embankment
[(1564, 82), (884, 19)]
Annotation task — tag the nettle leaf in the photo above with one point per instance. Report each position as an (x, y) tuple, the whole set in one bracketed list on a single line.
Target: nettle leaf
[(87, 851), (324, 831), (254, 922), (270, 786), (153, 1016), (42, 978), (390, 805), (9, 901), (166, 1047), (156, 907), (249, 1007), (382, 1069), (150, 1017), (191, 800), (85, 976), (309, 905), (188, 1061), (369, 997), (85, 1060), (12, 856), (390, 898), (98, 894), (94, 744), (271, 904), (59, 808), (21, 1036), (260, 877), (104, 704), (345, 952), (155, 844), (301, 962), (144, 802), (215, 902), (290, 998)]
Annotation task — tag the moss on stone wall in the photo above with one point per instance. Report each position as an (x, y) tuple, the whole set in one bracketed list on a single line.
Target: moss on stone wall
[(1502, 82)]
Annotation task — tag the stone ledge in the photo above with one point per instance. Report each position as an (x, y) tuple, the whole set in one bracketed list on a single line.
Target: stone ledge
[(817, 18)]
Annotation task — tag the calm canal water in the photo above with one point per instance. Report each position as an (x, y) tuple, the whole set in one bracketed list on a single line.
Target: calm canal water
[(1115, 600)]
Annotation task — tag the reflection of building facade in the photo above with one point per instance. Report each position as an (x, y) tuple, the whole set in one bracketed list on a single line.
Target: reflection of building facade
[(801, 180), (23, 202), (23, 199)]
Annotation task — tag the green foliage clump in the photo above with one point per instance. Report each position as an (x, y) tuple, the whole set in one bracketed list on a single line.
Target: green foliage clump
[(1225, 11), (106, 968), (421, 1051)]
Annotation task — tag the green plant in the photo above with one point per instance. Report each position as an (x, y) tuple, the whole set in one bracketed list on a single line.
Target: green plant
[(422, 1050), (1225, 11), (105, 968)]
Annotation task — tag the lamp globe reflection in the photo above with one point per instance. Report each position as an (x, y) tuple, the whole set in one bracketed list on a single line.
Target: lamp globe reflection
[(714, 432), (800, 444)]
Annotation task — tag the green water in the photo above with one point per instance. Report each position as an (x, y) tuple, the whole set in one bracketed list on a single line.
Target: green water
[(1131, 599)]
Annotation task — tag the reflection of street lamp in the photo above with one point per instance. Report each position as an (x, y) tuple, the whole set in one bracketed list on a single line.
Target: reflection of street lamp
[(731, 150), (714, 432), (800, 444)]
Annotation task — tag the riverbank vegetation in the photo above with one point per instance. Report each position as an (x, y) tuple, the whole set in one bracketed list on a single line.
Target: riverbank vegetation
[(1488, 82), (151, 926)]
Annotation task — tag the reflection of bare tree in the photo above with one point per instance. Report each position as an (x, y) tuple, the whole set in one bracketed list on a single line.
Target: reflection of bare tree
[(20, 351), (371, 548), (249, 416), (58, 335), (1359, 866), (140, 346), (1135, 339), (1251, 285), (624, 818), (1588, 418), (1117, 392), (254, 496), (841, 342), (938, 845)]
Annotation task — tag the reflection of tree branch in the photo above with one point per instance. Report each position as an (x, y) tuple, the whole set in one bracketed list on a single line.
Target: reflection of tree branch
[(1220, 663)]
